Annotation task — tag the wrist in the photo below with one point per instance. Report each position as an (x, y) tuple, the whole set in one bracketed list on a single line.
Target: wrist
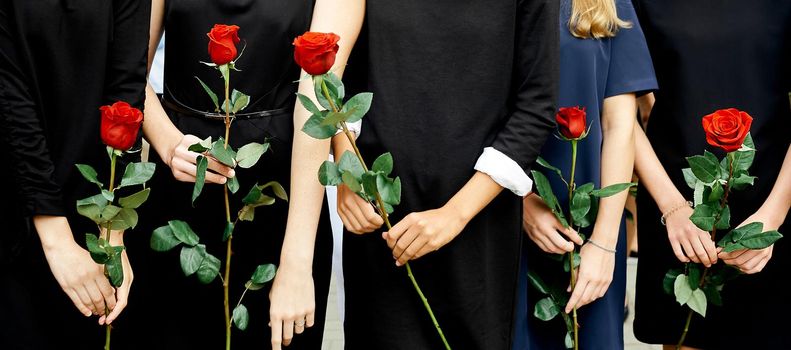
[(296, 264), (672, 200), (53, 231), (459, 211)]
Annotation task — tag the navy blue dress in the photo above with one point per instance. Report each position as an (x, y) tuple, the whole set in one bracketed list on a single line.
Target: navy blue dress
[(590, 71)]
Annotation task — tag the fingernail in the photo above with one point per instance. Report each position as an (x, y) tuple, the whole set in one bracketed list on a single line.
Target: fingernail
[(398, 263), (232, 173), (394, 258)]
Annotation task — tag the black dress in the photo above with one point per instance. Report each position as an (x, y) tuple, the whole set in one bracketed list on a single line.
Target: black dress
[(449, 78), (710, 55), (60, 60), (177, 312)]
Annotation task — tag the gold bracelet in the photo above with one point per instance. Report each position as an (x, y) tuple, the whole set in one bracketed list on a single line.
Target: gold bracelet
[(597, 245), (664, 217)]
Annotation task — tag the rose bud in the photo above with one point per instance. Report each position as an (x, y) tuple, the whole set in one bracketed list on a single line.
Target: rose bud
[(315, 52), (222, 43), (571, 122), (120, 125)]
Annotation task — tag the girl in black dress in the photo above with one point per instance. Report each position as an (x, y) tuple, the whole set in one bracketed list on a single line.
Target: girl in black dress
[(464, 98), (711, 55), (60, 60), (183, 116)]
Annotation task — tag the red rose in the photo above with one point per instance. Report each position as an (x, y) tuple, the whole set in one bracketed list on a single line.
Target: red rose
[(120, 124), (571, 121), (727, 128), (222, 43), (315, 52)]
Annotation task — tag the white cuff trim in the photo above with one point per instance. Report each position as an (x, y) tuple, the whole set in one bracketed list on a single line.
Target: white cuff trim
[(353, 127), (504, 170)]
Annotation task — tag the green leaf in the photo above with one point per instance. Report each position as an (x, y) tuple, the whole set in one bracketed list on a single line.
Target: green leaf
[(742, 181), (233, 184), (224, 71), (737, 234), (389, 208), (240, 317), (697, 196), (333, 118), (369, 184), (545, 192), (577, 261), (704, 168), (743, 158), (357, 106), (209, 269), (89, 174), (98, 253), (110, 212), (250, 153), (315, 129), (713, 295), (697, 302), (670, 279), (693, 276), (689, 178), (725, 219), (383, 164), (115, 267), (681, 289), (334, 88), (225, 155), (125, 219), (703, 217), (761, 240), (308, 104), (202, 146), (716, 193), (211, 94), (200, 177), (92, 207), (163, 239), (350, 163), (191, 258), (329, 175), (183, 232), (228, 231), (350, 181), (390, 190), (568, 341), (545, 309), (108, 195), (612, 189), (263, 273), (732, 247), (135, 200), (240, 102), (247, 213), (137, 174), (277, 189), (580, 205), (537, 282), (542, 162)]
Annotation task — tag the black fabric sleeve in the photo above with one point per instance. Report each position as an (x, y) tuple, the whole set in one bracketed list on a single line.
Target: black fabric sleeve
[(22, 129), (536, 76), (127, 59)]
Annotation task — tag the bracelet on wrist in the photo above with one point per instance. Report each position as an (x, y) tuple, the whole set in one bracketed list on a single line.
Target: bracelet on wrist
[(597, 245), (667, 214)]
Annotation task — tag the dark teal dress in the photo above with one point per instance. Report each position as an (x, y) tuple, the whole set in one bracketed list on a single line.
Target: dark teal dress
[(590, 71)]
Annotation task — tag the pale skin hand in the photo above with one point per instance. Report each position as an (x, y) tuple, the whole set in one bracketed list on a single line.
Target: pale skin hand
[(357, 215), (597, 265), (122, 292), (77, 274), (544, 229), (171, 144), (423, 232), (772, 214), (689, 243), (291, 298)]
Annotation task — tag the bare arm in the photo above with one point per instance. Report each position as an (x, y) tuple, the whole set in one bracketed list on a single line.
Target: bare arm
[(292, 297)]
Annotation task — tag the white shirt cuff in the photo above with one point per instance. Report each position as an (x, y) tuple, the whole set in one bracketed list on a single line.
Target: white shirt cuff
[(504, 170), (353, 127)]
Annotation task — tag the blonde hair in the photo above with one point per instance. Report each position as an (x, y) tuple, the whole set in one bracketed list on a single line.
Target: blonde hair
[(595, 19)]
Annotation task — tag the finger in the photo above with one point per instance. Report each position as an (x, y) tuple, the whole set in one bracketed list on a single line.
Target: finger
[(571, 234), (728, 257), (354, 209), (277, 332), (411, 250), (709, 246), (741, 259), (221, 169), (310, 319), (751, 264), (538, 242), (697, 245), (189, 168), (78, 303), (404, 242), (95, 298), (550, 247), (108, 292), (299, 326), (688, 251), (350, 222), (590, 294), (399, 229), (123, 297), (558, 241), (576, 295), (370, 213), (288, 332), (760, 266), (427, 248), (182, 176), (677, 250)]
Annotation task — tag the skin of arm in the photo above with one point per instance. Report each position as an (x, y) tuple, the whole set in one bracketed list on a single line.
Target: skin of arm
[(597, 266), (292, 296)]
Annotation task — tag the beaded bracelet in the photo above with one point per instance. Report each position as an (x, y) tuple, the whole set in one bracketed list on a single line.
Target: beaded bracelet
[(597, 245), (664, 217)]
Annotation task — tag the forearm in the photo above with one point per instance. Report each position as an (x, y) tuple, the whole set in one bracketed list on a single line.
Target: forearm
[(779, 200), (617, 164), (53, 231), (157, 127), (476, 194), (653, 176)]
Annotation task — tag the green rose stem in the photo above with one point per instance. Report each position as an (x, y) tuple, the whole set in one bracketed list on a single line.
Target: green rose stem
[(384, 216), (572, 269), (226, 278), (108, 328), (723, 203)]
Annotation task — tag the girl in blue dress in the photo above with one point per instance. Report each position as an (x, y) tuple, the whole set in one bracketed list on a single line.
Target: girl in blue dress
[(604, 65)]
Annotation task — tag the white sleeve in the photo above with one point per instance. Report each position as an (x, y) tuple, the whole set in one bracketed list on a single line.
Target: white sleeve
[(504, 170), (355, 128)]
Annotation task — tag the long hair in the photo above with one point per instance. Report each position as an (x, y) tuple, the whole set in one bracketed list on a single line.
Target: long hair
[(595, 19)]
